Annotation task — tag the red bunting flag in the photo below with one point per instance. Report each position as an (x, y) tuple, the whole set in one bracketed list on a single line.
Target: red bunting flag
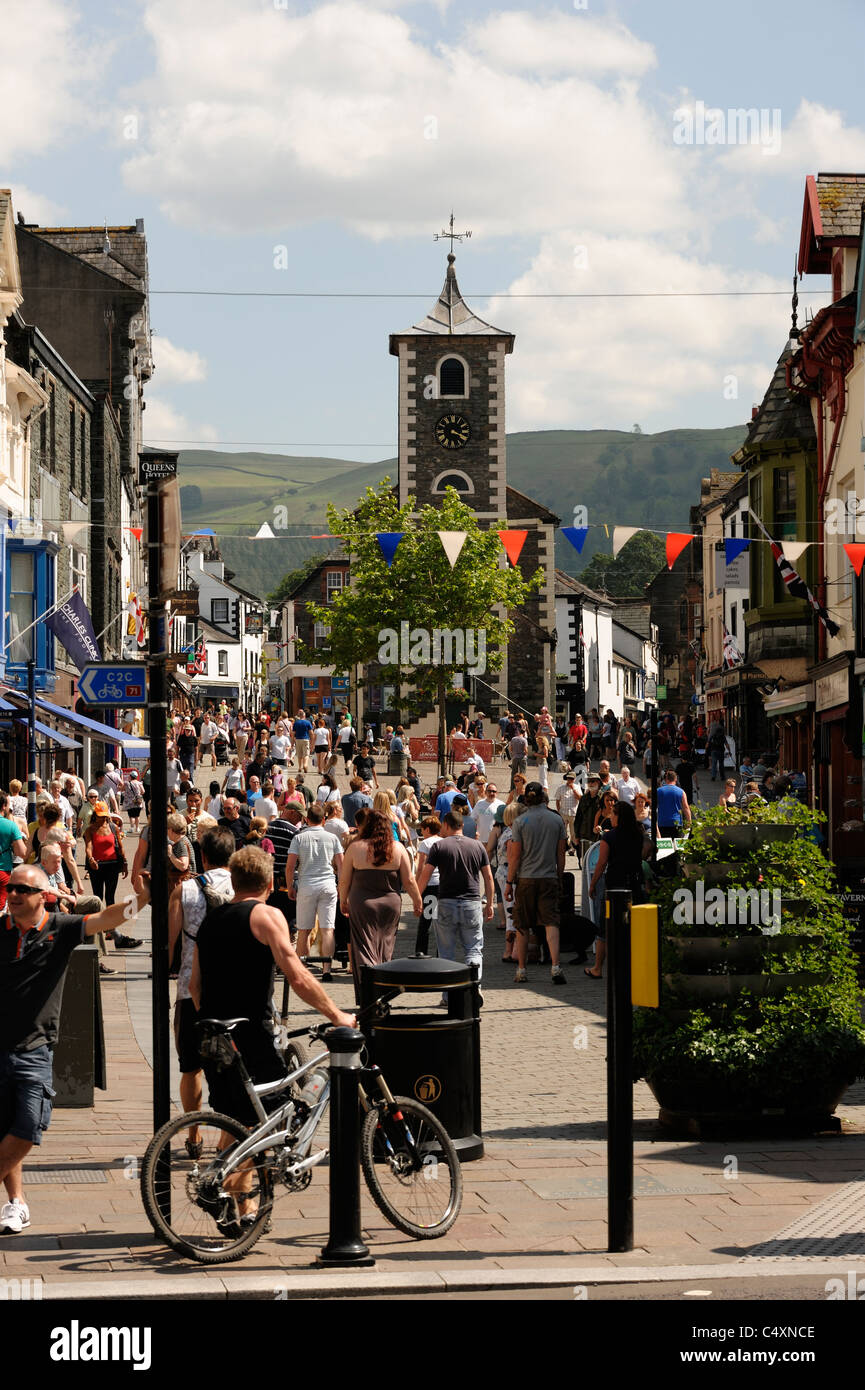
[(856, 554), (137, 531), (513, 542), (676, 542)]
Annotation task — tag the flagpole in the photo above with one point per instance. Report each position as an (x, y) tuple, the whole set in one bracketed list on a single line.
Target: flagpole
[(42, 616)]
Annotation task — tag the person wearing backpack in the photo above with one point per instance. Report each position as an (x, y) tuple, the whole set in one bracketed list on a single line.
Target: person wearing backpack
[(188, 906)]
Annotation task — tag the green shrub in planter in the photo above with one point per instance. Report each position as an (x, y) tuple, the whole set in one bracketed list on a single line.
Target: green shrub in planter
[(754, 1053)]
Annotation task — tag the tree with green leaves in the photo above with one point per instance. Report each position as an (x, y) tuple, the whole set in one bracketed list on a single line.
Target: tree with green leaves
[(391, 615), (627, 574)]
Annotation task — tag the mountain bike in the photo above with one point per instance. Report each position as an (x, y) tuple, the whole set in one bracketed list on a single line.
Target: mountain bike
[(211, 1198)]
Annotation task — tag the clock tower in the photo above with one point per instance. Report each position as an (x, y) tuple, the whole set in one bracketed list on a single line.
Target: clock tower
[(452, 405), (452, 434)]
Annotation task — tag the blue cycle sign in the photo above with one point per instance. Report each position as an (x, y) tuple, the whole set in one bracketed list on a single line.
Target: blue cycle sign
[(108, 684)]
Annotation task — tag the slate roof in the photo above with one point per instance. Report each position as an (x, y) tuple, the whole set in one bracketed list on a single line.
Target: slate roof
[(566, 585), (636, 616), (840, 198), (451, 315), (126, 260), (780, 415)]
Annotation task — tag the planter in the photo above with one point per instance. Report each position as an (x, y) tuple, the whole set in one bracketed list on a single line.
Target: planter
[(709, 873), (695, 951), (775, 834), (722, 987), (741, 838), (716, 1103)]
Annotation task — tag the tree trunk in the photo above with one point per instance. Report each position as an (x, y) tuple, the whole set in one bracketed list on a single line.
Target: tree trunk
[(442, 725)]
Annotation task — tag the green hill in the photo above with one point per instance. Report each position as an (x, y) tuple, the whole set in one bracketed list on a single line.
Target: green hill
[(622, 479)]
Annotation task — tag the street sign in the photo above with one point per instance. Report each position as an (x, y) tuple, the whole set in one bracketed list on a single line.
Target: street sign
[(650, 688), (156, 466), (113, 685)]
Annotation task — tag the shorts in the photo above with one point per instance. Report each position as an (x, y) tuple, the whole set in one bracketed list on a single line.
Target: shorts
[(26, 1093), (226, 1091), (536, 903), (186, 1035), (319, 902)]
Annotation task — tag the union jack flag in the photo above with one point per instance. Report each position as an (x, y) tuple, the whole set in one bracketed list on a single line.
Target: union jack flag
[(731, 655), (796, 586)]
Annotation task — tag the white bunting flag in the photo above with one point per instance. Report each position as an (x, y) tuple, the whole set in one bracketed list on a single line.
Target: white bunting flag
[(264, 533), (72, 529), (452, 543), (621, 536), (793, 549)]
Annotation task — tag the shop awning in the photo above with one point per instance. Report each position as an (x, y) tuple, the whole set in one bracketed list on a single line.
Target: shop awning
[(790, 701), (102, 733), (62, 740)]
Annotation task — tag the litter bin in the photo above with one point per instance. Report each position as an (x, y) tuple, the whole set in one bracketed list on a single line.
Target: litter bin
[(79, 1057), (434, 1057), (397, 764)]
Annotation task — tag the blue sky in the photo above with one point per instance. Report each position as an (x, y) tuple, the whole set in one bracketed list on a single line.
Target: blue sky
[(345, 132)]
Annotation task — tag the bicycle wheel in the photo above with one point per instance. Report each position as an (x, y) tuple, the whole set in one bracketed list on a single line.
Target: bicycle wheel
[(411, 1168), (186, 1202)]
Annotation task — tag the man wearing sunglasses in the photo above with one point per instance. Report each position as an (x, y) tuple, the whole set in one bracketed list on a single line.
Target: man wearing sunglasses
[(35, 946)]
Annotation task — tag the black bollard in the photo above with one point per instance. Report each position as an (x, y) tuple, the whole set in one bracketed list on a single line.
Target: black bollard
[(344, 1246), (620, 1085)]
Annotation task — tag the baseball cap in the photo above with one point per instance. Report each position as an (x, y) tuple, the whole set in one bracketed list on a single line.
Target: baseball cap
[(569, 777), (100, 808)]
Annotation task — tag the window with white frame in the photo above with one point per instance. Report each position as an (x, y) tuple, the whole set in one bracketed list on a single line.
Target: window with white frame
[(219, 610), (335, 582), (321, 635), (222, 663), (78, 571)]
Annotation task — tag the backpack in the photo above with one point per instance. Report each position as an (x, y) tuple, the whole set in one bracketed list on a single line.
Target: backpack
[(213, 897)]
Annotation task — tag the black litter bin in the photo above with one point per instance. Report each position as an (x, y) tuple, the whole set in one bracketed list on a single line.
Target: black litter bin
[(79, 1057), (434, 1057)]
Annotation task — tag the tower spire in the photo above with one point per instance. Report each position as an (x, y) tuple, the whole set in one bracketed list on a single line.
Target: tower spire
[(448, 234)]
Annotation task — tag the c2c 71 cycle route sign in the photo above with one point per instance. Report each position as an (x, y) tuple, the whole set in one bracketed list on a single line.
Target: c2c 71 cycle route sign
[(113, 684)]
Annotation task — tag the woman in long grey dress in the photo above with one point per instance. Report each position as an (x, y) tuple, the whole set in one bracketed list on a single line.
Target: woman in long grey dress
[(375, 871)]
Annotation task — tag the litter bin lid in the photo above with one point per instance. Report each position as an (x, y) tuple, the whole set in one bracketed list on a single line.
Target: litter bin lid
[(420, 973)]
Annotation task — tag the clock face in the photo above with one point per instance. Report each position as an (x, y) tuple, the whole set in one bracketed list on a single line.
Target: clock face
[(452, 431)]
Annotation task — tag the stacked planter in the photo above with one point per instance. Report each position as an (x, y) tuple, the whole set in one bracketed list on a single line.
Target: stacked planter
[(759, 1025)]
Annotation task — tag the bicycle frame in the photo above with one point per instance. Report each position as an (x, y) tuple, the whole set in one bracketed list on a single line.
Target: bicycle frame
[(270, 1133)]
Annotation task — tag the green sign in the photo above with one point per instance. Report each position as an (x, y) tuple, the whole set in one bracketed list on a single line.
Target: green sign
[(662, 692)]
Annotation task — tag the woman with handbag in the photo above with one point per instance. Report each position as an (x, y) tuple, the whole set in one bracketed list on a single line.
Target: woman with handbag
[(106, 863)]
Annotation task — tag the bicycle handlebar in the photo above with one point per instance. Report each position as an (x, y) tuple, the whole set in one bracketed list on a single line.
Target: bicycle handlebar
[(318, 1030)]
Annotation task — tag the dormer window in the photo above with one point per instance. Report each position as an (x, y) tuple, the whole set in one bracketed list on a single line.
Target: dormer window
[(452, 377)]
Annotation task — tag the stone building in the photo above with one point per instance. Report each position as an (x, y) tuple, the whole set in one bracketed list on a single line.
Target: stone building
[(86, 290), (451, 417)]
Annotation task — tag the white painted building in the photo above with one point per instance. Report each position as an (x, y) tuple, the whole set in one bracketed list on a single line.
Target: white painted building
[(231, 621), (635, 661), (584, 649)]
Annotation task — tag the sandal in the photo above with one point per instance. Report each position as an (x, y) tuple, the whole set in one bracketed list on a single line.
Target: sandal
[(592, 976)]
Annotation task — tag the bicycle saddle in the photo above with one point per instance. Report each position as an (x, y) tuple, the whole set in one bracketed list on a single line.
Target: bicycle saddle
[(226, 1024)]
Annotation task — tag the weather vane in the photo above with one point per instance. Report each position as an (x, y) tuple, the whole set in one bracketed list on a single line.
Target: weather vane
[(451, 235)]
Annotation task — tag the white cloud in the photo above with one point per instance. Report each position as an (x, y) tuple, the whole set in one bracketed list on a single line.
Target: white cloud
[(47, 68), (603, 363), (167, 427), (177, 363), (517, 41), (344, 113), (34, 207), (815, 139)]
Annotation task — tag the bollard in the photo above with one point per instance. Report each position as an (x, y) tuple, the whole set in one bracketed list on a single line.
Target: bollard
[(344, 1246), (620, 1085)]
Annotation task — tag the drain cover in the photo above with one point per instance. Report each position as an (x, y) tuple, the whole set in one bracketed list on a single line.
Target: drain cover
[(834, 1228), (64, 1175)]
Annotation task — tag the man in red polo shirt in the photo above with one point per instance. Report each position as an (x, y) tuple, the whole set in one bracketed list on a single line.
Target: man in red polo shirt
[(35, 946)]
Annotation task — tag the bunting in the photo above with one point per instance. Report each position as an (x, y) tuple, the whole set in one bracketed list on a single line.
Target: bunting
[(621, 536), (856, 554), (388, 541), (576, 535), (733, 548), (794, 550), (72, 529), (452, 544), (513, 542), (137, 531), (264, 533), (676, 543)]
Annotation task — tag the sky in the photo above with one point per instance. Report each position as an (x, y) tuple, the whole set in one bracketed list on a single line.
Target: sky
[(299, 158)]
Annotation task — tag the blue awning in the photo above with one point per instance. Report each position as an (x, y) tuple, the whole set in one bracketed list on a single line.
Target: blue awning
[(62, 741), (101, 732)]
